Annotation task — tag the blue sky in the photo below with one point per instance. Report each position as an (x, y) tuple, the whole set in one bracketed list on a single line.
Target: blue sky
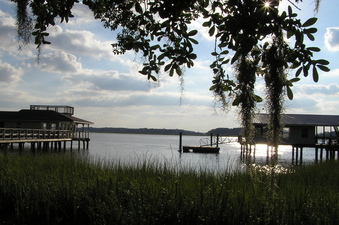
[(80, 70)]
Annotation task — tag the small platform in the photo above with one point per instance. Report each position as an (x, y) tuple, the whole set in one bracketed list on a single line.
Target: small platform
[(201, 149)]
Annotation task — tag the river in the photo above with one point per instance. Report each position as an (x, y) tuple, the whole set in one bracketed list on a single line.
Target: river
[(132, 149)]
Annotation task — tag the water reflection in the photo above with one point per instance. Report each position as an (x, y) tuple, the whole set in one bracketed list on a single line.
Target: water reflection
[(133, 149)]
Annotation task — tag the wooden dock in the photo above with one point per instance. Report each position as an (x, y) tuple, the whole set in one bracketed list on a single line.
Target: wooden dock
[(42, 139), (206, 145), (201, 149), (330, 152)]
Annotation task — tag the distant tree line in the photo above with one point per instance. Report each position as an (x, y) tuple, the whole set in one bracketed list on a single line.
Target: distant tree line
[(226, 131), (220, 131)]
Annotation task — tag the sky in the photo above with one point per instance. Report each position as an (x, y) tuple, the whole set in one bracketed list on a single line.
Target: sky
[(79, 69)]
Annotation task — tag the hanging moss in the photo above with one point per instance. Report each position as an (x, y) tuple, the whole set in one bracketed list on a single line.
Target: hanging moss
[(275, 78), (246, 98)]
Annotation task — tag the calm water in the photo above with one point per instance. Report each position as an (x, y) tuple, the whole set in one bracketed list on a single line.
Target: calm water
[(163, 149)]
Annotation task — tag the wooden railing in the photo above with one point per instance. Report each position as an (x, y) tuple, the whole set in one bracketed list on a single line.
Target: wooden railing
[(12, 134)]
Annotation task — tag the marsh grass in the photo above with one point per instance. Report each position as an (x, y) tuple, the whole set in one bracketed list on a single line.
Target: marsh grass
[(60, 189)]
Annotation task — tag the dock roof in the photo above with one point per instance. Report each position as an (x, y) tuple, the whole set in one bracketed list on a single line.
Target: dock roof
[(300, 120), (40, 115)]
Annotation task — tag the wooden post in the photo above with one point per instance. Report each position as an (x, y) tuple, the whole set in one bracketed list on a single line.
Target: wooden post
[(211, 139), (180, 142), (217, 140)]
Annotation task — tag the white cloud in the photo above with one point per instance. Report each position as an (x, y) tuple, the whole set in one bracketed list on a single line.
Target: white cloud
[(8, 32), (319, 89), (59, 62), (9, 74), (82, 14), (332, 38)]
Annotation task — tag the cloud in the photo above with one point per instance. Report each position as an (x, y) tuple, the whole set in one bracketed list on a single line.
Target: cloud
[(332, 38), (319, 89), (301, 104), (59, 62), (9, 74), (8, 32), (77, 42), (82, 14)]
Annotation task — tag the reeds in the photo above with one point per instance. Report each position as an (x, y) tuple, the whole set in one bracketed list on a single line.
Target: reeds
[(61, 189)]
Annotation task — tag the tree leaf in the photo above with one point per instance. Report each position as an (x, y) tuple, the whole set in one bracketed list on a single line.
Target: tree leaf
[(323, 68), (310, 36), (224, 52), (138, 7), (314, 49), (211, 31), (289, 93), (311, 30), (192, 33), (167, 67), (315, 74), (213, 87), (298, 72), (171, 73), (295, 65), (322, 61), (152, 77), (310, 22), (207, 23), (293, 80), (236, 101), (257, 98), (178, 70), (193, 41), (192, 56)]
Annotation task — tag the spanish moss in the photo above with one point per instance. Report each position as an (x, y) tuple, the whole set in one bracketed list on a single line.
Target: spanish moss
[(275, 78)]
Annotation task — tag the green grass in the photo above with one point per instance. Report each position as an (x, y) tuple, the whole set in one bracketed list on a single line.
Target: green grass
[(61, 189)]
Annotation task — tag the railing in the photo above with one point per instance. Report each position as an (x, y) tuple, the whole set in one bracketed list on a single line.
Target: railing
[(215, 140), (32, 134), (83, 134)]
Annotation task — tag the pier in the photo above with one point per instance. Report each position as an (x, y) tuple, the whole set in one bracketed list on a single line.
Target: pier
[(42, 139), (43, 127), (331, 152), (206, 145)]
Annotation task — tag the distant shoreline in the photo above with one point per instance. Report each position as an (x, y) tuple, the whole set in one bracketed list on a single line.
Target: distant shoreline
[(220, 131)]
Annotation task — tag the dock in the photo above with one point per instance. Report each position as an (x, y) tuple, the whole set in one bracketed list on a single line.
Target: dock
[(42, 139), (201, 149), (207, 145)]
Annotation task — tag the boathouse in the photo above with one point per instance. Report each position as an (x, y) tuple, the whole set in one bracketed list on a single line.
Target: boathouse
[(43, 124), (303, 131)]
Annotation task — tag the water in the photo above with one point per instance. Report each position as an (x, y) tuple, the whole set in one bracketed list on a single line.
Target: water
[(163, 149)]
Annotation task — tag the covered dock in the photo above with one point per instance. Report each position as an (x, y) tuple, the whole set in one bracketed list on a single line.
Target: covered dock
[(319, 132), (43, 127)]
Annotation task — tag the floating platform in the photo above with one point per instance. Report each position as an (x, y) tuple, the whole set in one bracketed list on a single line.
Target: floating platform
[(201, 149)]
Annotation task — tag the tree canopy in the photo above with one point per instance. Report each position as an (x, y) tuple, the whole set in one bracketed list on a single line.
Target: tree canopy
[(251, 35)]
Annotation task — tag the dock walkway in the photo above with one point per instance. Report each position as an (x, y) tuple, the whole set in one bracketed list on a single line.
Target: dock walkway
[(41, 138)]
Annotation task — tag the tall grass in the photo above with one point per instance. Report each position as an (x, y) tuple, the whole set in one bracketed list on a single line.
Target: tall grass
[(60, 189)]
